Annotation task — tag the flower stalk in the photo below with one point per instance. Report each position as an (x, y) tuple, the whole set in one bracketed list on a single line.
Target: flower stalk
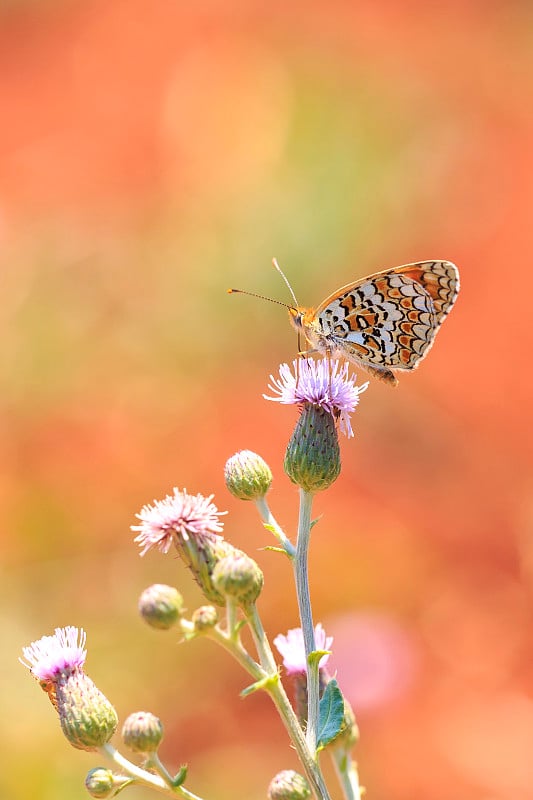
[(301, 573), (162, 782), (275, 688)]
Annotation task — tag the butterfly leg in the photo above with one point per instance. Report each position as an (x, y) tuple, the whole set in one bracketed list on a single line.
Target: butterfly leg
[(307, 353)]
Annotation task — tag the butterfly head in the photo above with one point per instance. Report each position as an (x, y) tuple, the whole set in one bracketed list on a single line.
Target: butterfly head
[(303, 319), (296, 316)]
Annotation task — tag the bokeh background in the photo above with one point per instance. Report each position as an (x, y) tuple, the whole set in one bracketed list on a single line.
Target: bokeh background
[(153, 154)]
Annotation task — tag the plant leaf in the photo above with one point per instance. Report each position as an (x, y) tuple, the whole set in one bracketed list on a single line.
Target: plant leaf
[(316, 655), (180, 776), (331, 714)]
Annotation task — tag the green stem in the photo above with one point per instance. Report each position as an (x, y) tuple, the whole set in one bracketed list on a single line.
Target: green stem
[(156, 782), (279, 697), (232, 645), (346, 770), (306, 618), (231, 618), (268, 519), (155, 762)]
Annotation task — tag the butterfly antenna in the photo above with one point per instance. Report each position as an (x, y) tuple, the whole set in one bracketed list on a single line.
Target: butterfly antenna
[(277, 266), (260, 296)]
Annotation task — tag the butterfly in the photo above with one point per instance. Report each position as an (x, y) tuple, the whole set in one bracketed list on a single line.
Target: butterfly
[(384, 322)]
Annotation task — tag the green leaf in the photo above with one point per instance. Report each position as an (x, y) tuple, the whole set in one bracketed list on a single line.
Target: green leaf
[(331, 714), (240, 625), (270, 528), (316, 655), (265, 683), (314, 522), (180, 776)]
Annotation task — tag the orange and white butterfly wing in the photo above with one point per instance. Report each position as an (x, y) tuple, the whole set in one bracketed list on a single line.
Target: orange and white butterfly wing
[(386, 321)]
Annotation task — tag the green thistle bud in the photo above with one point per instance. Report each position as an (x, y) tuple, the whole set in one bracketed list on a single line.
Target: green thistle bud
[(350, 730), (101, 782), (160, 606), (312, 460), (247, 475), (201, 554), (87, 718), (238, 576), (142, 732), (288, 785), (300, 696), (204, 617)]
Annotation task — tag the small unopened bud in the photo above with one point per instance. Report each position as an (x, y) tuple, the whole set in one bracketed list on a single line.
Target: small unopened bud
[(142, 732), (312, 460), (87, 718), (247, 475), (204, 617), (102, 783), (288, 785), (349, 734), (201, 554), (238, 576), (160, 606)]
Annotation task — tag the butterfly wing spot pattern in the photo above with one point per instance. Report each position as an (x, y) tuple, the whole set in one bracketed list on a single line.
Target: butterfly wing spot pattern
[(384, 322)]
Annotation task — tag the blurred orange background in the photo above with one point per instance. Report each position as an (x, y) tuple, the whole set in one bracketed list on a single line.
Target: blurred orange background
[(153, 154)]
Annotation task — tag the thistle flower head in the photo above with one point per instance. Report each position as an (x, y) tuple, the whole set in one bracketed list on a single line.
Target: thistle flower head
[(238, 576), (52, 656), (192, 524), (87, 718), (179, 514), (142, 732), (160, 606), (102, 783), (247, 475), (324, 383), (292, 649), (204, 618), (288, 785)]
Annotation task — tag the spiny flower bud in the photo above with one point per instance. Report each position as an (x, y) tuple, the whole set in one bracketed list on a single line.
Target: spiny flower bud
[(247, 475), (142, 732), (102, 783), (87, 718), (349, 733), (204, 617), (202, 556), (160, 606), (288, 785), (238, 576), (312, 460)]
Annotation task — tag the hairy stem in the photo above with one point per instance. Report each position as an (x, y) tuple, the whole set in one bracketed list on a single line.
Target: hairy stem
[(156, 782), (279, 697), (268, 519), (306, 618)]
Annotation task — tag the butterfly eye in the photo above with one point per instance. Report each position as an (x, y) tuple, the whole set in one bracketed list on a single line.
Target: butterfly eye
[(296, 317)]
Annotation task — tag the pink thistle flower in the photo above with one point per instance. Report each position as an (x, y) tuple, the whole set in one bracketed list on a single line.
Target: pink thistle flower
[(325, 384), (50, 657), (292, 649), (180, 514), (88, 720)]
